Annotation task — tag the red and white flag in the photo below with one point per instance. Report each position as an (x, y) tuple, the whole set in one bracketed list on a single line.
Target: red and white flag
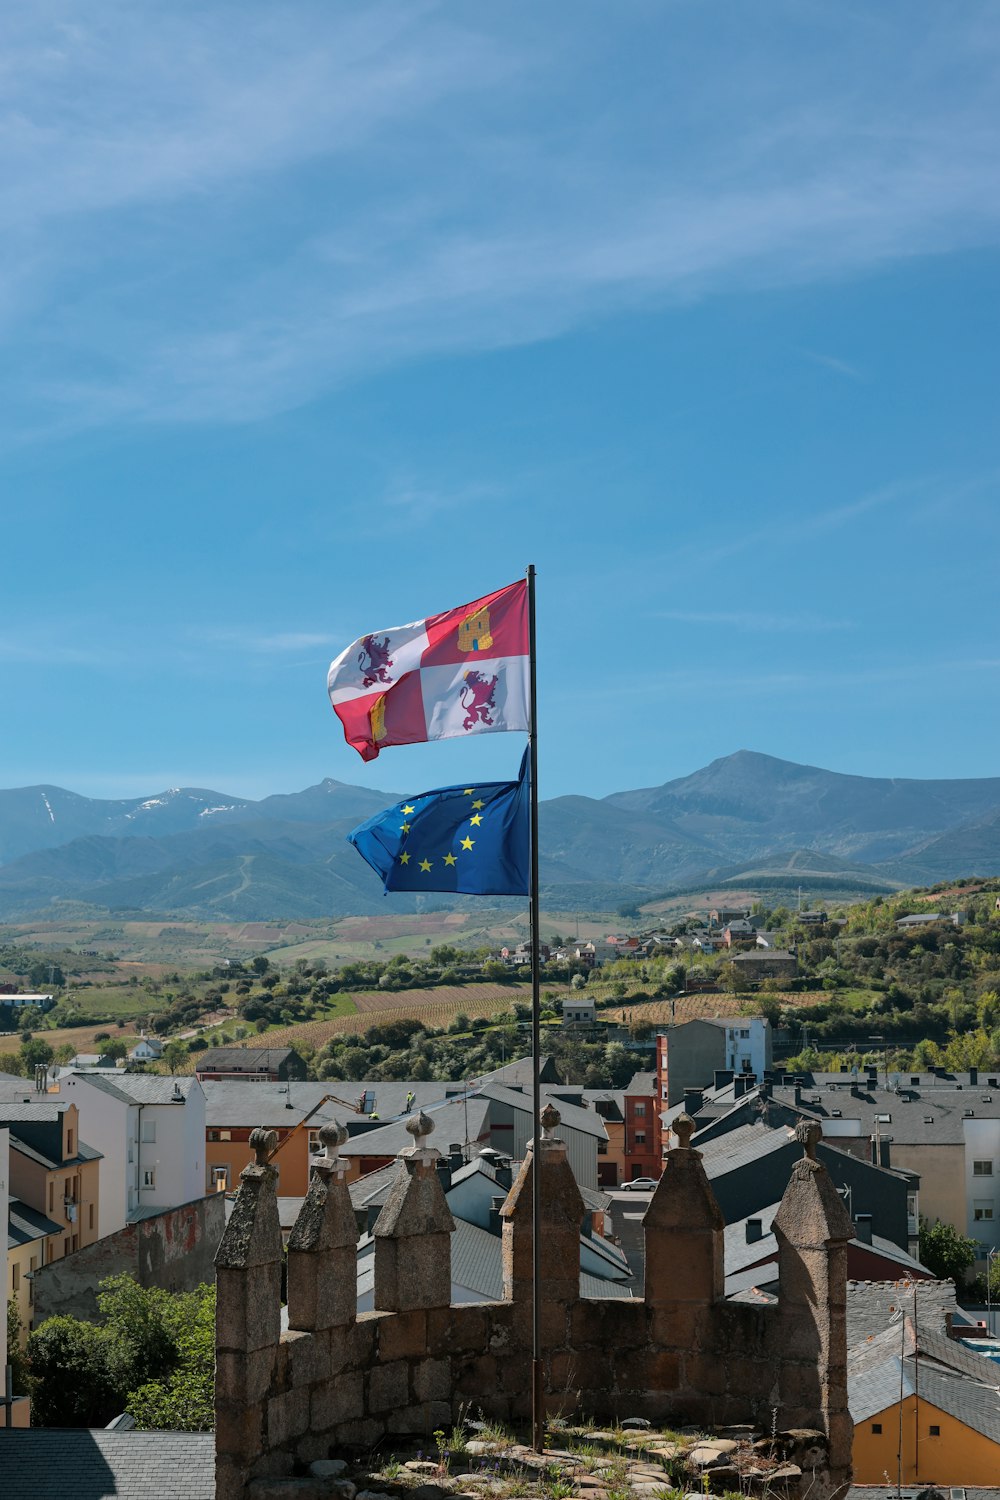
[(461, 672)]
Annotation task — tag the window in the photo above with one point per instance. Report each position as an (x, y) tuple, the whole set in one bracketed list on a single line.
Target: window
[(69, 1143), (640, 1137), (91, 1213), (982, 1210), (52, 1195), (876, 1427), (148, 1131), (982, 1169), (220, 1135), (935, 1431), (149, 1177), (640, 1111), (883, 1119), (220, 1179), (15, 1276), (745, 1034)]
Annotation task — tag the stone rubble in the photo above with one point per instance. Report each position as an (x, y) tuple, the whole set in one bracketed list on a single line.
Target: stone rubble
[(630, 1464)]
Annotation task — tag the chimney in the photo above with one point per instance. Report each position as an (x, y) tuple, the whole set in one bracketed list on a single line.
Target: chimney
[(755, 1230), (693, 1100), (739, 1086), (722, 1077), (863, 1228), (496, 1223), (765, 1089), (505, 1176), (456, 1158), (883, 1152), (798, 1093), (444, 1172), (855, 1091), (974, 1077)]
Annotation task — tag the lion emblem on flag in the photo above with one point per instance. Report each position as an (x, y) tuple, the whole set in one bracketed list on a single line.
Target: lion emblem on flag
[(477, 698), (373, 659)]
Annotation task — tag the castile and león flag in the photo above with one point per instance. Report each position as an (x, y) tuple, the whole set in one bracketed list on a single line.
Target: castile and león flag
[(462, 672)]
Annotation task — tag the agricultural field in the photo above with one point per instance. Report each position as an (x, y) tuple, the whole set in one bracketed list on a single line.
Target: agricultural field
[(80, 1038), (693, 1007)]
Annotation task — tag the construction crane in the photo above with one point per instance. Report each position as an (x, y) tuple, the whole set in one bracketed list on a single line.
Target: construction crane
[(355, 1108)]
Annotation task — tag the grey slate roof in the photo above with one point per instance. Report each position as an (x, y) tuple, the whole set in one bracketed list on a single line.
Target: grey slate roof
[(930, 1116), (25, 1224), (642, 1083), (49, 1463), (84, 1153), (872, 1304), (450, 1125), (144, 1088), (585, 1120), (246, 1059)]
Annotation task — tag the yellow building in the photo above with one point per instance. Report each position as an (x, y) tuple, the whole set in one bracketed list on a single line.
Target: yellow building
[(53, 1189), (32, 1241), (945, 1431)]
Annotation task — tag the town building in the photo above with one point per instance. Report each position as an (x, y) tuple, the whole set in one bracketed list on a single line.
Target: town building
[(51, 1170), (689, 1055), (150, 1131), (256, 1064)]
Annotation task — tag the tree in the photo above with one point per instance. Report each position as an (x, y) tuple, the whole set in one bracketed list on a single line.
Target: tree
[(72, 1386), (34, 1051), (175, 1055), (260, 964), (944, 1251), (15, 1354), (116, 1049)]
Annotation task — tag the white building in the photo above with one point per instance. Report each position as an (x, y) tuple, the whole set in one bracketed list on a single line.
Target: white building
[(151, 1131), (147, 1049), (748, 1044), (579, 1010)]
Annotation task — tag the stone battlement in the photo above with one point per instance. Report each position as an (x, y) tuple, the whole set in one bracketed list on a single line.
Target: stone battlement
[(339, 1380)]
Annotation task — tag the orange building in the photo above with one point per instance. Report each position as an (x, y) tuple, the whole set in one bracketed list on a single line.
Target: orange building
[(233, 1108), (945, 1431)]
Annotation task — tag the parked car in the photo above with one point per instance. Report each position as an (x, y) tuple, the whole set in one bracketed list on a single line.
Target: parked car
[(639, 1185)]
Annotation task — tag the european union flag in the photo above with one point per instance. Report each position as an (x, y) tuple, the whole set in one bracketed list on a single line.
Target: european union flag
[(474, 840)]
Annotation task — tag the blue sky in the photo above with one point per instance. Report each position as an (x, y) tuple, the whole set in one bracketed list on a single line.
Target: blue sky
[(320, 318)]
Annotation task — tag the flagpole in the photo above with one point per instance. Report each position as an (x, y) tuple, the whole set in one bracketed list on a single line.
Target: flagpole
[(537, 1389)]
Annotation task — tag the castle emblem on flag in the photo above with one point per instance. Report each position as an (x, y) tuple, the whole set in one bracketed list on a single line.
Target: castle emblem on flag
[(374, 659), (474, 632), (377, 717)]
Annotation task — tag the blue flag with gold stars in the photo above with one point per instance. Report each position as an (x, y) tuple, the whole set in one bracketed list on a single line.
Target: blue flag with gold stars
[(474, 840)]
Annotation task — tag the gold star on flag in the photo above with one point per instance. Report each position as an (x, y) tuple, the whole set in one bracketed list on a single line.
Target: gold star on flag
[(404, 827), (407, 810), (425, 865), (478, 803), (404, 859), (450, 859), (467, 843), (468, 791), (475, 821)]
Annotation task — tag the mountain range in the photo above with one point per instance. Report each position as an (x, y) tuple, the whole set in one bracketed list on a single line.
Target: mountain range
[(746, 819)]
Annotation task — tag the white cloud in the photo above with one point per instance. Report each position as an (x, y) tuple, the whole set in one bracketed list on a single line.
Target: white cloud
[(220, 213)]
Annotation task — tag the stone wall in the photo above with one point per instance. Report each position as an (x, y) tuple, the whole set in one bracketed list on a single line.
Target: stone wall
[(174, 1250), (338, 1380)]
